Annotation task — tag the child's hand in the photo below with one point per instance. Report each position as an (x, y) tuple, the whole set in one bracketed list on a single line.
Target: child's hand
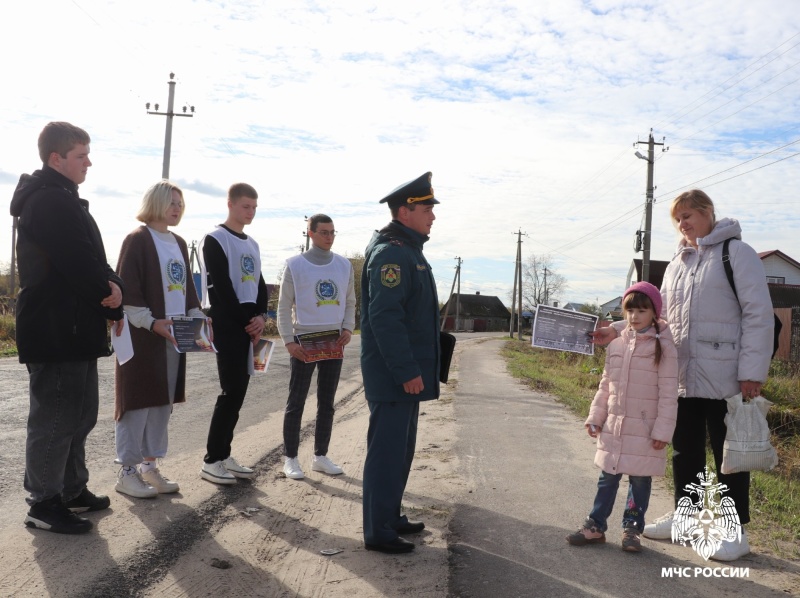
[(593, 430), (659, 444)]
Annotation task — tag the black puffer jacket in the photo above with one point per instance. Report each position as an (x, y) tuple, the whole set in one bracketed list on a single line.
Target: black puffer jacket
[(63, 273)]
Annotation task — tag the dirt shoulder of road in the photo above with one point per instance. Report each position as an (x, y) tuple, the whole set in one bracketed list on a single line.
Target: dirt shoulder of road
[(264, 537)]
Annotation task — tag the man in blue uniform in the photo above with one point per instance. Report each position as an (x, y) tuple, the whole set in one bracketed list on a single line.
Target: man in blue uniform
[(399, 358)]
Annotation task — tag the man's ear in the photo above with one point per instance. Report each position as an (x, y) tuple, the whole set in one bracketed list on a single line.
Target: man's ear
[(54, 159)]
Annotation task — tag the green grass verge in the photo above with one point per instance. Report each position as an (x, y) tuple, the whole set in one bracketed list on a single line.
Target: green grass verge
[(774, 495)]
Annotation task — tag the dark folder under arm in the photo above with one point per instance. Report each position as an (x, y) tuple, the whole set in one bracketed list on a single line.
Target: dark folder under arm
[(447, 343)]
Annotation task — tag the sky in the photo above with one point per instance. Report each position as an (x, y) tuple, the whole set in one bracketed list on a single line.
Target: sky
[(526, 111)]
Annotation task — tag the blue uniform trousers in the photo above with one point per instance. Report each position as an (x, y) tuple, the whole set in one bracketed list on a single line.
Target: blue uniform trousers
[(391, 441)]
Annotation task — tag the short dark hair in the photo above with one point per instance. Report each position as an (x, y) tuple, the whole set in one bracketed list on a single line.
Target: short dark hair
[(239, 190), (60, 137), (318, 219), (394, 210)]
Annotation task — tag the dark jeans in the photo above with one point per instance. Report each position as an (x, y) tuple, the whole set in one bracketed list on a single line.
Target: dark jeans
[(328, 372), (695, 416), (233, 379), (391, 441), (635, 506), (63, 410)]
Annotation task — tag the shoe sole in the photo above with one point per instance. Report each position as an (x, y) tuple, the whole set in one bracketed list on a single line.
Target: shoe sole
[(321, 470), (658, 536), (242, 474), (127, 492), (293, 476), (167, 490), (632, 548), (32, 522), (216, 479)]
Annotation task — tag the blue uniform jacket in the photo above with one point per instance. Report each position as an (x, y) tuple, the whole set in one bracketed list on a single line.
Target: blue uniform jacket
[(399, 317)]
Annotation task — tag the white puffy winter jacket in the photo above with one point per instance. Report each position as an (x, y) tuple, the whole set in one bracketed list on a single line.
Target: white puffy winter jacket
[(720, 340)]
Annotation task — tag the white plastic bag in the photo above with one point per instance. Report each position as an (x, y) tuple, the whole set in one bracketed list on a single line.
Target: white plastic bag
[(747, 446)]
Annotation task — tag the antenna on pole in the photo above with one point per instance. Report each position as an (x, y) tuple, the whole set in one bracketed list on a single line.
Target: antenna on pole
[(170, 113)]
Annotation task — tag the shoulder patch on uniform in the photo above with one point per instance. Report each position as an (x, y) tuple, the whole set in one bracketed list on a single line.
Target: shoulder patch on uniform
[(421, 267), (390, 275), (397, 242)]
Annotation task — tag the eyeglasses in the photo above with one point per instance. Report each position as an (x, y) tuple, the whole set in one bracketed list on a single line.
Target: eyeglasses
[(325, 233)]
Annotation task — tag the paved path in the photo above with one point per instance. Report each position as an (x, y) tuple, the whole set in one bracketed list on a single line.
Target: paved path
[(528, 466)]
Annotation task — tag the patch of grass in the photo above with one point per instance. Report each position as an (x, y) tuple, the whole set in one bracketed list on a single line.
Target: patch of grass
[(8, 335), (774, 495)]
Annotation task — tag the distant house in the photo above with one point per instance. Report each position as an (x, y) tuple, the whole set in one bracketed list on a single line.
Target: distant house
[(611, 310), (573, 306), (783, 279), (780, 268), (476, 313)]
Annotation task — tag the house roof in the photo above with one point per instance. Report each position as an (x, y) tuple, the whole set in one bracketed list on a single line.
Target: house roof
[(477, 306), (573, 306), (784, 295), (780, 254)]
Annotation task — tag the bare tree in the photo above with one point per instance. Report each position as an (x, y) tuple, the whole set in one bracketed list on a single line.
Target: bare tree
[(540, 282)]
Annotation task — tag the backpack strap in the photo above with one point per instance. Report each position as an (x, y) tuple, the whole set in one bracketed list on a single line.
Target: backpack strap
[(726, 262)]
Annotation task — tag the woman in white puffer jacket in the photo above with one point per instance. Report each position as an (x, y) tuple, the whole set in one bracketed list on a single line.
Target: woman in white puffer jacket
[(724, 347)]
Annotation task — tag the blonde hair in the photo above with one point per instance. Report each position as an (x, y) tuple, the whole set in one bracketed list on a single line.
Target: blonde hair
[(156, 202), (696, 200)]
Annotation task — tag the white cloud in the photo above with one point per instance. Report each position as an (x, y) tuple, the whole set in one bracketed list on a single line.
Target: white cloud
[(525, 112)]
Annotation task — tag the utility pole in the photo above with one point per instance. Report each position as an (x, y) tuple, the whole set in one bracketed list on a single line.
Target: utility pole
[(169, 114), (12, 291), (514, 292), (305, 234), (546, 298), (457, 277), (648, 206)]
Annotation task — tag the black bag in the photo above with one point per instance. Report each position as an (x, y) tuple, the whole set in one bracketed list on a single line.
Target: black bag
[(447, 344), (726, 261)]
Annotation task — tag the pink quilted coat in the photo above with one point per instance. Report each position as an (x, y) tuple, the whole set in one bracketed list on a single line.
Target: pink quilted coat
[(636, 403)]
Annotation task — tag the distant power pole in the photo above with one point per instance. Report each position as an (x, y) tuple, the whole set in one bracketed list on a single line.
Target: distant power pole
[(648, 207), (169, 114), (456, 278), (517, 289), (305, 234)]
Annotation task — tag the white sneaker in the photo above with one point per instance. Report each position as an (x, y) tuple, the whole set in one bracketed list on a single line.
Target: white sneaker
[(732, 550), (291, 469), (132, 484), (325, 465), (240, 471), (661, 528), (217, 472), (162, 485)]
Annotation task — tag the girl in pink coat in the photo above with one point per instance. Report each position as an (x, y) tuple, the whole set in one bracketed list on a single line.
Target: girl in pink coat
[(632, 416)]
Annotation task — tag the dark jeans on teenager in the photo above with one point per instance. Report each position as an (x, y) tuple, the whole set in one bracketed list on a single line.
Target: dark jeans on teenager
[(328, 372), (233, 379), (391, 442), (635, 506), (63, 410), (695, 416)]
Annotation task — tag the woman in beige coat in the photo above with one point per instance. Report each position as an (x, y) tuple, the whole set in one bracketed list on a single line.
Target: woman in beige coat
[(633, 416)]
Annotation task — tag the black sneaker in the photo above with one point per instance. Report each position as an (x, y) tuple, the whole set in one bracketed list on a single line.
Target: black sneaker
[(53, 516), (86, 501)]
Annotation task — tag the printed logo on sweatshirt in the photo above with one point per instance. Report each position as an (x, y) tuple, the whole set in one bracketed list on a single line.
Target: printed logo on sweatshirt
[(708, 521), (248, 267), (327, 293), (176, 276)]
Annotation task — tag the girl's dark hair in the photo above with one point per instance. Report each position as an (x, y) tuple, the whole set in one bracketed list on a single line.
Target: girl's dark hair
[(635, 300)]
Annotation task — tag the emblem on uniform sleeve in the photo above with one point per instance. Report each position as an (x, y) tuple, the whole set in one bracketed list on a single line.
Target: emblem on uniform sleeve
[(176, 276), (327, 293), (248, 267), (390, 275)]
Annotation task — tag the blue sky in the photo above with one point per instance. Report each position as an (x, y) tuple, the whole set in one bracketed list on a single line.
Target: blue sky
[(525, 111)]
